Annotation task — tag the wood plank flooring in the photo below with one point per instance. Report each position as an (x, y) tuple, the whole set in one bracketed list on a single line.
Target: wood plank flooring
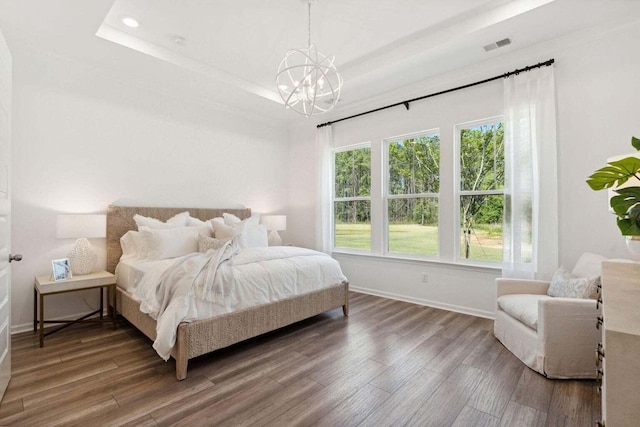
[(388, 363)]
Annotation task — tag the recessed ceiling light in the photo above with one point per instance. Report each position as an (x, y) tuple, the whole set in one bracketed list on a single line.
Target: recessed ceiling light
[(130, 22)]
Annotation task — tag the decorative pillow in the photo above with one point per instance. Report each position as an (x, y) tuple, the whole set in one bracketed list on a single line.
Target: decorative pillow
[(163, 243), (205, 243), (179, 220), (566, 286)]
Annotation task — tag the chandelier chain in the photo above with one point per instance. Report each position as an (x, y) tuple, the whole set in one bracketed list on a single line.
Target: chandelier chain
[(309, 26)]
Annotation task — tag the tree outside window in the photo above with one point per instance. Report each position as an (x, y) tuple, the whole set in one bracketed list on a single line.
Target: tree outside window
[(412, 194), (352, 198), (481, 190)]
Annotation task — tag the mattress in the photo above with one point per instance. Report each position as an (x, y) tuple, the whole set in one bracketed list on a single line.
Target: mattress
[(131, 270)]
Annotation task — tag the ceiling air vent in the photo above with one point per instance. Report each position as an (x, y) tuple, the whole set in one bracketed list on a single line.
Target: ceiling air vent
[(496, 45)]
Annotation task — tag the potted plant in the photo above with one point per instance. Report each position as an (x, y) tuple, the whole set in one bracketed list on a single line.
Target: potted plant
[(623, 177)]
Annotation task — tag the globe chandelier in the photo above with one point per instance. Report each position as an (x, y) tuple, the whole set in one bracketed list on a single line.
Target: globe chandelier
[(307, 80)]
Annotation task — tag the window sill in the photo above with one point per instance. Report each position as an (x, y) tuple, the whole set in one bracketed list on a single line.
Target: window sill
[(397, 258)]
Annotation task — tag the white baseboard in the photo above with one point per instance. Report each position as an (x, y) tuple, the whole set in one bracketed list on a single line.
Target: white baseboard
[(427, 303)]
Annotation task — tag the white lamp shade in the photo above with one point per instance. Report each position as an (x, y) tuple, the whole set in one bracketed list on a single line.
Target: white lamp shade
[(275, 222), (75, 226)]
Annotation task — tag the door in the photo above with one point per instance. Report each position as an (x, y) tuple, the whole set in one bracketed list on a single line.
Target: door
[(5, 216)]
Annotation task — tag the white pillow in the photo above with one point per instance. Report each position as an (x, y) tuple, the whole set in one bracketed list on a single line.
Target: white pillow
[(225, 228), (221, 230), (179, 220), (163, 243), (196, 222), (230, 219), (250, 233), (566, 286), (588, 265), (192, 222), (131, 244)]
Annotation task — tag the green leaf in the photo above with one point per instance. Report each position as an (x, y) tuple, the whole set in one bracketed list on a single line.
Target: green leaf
[(628, 227), (625, 199), (628, 165), (615, 173), (634, 213), (635, 142)]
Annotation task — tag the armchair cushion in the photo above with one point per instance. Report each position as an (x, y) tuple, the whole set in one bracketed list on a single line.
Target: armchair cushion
[(565, 285), (523, 307)]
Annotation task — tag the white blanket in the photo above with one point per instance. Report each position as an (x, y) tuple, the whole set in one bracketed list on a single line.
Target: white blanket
[(226, 280)]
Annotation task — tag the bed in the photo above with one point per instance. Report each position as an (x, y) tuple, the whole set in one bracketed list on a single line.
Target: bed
[(206, 335)]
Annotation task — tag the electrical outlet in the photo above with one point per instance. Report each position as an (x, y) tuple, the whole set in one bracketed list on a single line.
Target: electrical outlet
[(425, 278)]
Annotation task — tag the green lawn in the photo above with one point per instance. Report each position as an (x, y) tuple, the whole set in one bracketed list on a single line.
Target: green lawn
[(353, 236), (413, 239), (486, 243)]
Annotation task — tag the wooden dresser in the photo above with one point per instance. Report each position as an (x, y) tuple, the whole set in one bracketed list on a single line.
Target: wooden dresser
[(620, 353)]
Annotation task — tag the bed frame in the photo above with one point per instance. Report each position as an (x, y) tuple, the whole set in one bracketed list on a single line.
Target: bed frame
[(207, 335)]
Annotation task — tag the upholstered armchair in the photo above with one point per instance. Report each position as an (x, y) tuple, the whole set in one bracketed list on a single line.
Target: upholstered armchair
[(555, 336)]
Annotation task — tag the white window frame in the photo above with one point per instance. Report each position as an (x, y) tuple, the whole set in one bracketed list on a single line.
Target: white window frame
[(335, 199), (458, 192), (386, 196)]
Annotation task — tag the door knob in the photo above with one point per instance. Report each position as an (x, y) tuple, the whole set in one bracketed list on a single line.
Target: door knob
[(16, 257)]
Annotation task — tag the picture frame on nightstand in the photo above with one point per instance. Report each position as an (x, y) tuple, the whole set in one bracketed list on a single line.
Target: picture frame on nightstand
[(61, 269)]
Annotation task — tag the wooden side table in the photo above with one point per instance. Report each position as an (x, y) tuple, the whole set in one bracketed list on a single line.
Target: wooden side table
[(45, 285)]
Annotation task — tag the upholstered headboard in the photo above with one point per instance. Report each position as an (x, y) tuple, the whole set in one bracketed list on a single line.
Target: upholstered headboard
[(120, 220)]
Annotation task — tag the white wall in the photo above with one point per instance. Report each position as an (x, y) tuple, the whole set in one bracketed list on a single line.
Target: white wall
[(82, 140), (597, 85)]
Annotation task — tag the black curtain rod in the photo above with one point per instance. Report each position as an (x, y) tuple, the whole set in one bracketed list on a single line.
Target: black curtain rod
[(408, 101)]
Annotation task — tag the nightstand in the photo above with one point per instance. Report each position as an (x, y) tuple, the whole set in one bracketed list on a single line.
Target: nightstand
[(45, 285)]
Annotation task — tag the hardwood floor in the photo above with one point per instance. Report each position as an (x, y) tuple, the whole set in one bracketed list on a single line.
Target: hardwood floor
[(388, 363)]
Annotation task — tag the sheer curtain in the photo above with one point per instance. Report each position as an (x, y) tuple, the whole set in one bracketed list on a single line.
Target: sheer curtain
[(531, 185), (324, 145)]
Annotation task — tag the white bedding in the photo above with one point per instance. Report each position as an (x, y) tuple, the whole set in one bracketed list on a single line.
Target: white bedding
[(203, 285), (130, 271)]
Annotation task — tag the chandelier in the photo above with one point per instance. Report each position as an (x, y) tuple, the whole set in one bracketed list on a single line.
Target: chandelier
[(307, 80)]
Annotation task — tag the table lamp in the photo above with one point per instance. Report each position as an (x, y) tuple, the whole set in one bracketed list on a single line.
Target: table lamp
[(274, 224), (82, 257)]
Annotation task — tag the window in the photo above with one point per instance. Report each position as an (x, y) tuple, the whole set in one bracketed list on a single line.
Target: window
[(352, 198), (413, 172), (481, 189), (424, 195)]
